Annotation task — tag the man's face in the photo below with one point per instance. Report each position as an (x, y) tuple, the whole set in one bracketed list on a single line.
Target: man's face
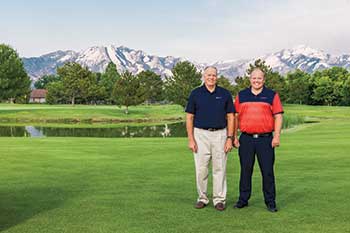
[(257, 79), (210, 77)]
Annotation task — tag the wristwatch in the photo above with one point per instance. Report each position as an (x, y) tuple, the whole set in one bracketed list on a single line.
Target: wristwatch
[(230, 137)]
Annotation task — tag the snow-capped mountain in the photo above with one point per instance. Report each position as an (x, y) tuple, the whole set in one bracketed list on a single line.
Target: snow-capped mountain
[(48, 63), (97, 58), (300, 57)]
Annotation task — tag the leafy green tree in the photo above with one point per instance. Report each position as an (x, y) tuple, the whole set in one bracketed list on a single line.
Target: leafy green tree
[(76, 81), (56, 93), (179, 86), (94, 92), (14, 81), (323, 93), (225, 83), (336, 73), (152, 85), (276, 82), (339, 76), (108, 80), (241, 83), (42, 82), (336, 81), (128, 91), (346, 92), (297, 87)]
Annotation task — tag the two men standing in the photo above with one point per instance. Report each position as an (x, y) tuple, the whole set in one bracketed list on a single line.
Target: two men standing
[(212, 131)]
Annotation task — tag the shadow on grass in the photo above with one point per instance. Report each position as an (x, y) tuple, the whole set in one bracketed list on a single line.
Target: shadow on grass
[(17, 206)]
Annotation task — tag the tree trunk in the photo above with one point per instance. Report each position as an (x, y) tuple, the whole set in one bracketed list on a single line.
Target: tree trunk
[(73, 100), (126, 110)]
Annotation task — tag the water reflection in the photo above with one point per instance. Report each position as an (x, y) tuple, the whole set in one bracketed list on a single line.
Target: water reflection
[(33, 131), (166, 130)]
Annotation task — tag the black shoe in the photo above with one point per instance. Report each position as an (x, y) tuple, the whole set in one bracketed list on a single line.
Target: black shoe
[(271, 207), (240, 205)]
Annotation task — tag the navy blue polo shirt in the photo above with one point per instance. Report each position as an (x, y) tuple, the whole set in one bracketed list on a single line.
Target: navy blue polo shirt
[(210, 108)]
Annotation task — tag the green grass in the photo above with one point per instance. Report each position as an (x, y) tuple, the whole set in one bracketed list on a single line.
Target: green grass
[(22, 113), (318, 112), (147, 185), (107, 116)]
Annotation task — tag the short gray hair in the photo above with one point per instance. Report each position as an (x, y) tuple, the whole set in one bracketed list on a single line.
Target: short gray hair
[(211, 67)]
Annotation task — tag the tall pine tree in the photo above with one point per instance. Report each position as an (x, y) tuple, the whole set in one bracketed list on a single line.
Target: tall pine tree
[(108, 80), (152, 85), (179, 86), (128, 91)]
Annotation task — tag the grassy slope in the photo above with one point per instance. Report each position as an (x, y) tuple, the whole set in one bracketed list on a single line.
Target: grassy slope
[(64, 113), (147, 185), (321, 112)]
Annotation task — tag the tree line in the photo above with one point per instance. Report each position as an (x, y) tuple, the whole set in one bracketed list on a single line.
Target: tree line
[(74, 84)]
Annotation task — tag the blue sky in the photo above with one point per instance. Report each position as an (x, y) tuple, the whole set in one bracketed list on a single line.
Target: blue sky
[(205, 31)]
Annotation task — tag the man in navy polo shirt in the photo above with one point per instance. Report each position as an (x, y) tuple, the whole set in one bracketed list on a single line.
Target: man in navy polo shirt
[(209, 124), (259, 114)]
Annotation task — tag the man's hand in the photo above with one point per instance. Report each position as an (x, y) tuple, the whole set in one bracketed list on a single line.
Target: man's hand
[(192, 145), (275, 141), (228, 145), (236, 142), (278, 126)]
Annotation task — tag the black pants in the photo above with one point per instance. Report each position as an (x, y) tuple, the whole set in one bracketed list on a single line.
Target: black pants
[(249, 147)]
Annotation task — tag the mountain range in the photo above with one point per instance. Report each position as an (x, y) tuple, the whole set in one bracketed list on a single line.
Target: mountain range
[(97, 58)]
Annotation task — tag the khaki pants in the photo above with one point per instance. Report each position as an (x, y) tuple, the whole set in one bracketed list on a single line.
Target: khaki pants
[(211, 147)]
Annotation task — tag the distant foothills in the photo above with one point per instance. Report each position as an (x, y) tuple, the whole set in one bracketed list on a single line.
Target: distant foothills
[(125, 77), (98, 57)]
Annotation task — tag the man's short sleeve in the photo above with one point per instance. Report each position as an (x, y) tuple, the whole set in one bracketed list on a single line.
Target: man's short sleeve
[(191, 105), (229, 105), (237, 104), (276, 105)]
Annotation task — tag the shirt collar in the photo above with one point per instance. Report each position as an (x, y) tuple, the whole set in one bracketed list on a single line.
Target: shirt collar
[(204, 88), (262, 91)]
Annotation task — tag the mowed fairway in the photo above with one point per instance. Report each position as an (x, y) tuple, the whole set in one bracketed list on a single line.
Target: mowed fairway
[(147, 185)]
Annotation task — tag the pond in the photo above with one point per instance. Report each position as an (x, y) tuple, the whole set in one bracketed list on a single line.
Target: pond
[(164, 130)]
